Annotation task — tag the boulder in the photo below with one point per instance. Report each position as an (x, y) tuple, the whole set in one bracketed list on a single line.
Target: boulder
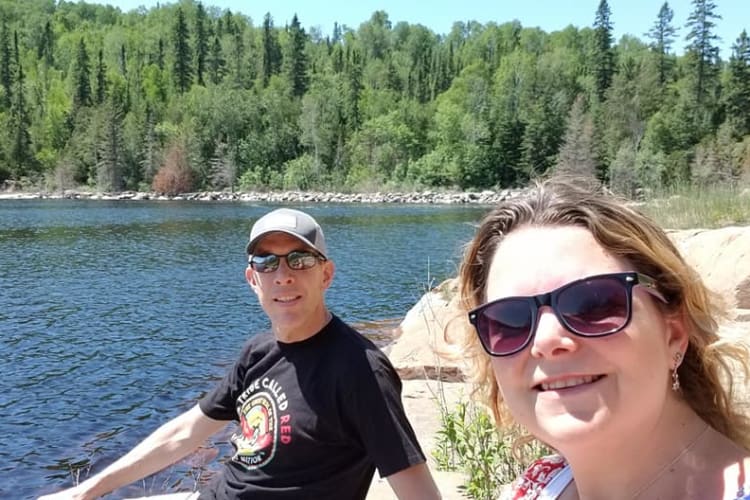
[(418, 351), (722, 258)]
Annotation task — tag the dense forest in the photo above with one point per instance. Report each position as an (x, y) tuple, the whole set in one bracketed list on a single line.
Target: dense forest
[(185, 97)]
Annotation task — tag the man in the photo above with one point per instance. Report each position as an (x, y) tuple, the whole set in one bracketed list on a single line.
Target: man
[(319, 406)]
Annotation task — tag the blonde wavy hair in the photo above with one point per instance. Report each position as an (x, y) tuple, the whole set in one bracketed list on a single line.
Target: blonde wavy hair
[(707, 374)]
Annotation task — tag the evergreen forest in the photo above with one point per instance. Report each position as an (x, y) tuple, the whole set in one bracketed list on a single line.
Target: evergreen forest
[(185, 96)]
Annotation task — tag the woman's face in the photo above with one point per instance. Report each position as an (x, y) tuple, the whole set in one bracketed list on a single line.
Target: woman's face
[(566, 389)]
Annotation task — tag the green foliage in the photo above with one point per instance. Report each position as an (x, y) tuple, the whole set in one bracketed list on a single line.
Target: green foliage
[(378, 107), (469, 441)]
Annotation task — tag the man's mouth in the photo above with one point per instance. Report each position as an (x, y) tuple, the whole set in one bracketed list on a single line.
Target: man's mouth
[(286, 300)]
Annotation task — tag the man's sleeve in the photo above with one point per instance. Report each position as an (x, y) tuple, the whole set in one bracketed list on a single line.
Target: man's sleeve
[(378, 414), (220, 402)]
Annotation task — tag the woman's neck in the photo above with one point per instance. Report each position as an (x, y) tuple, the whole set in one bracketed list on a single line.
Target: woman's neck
[(629, 466)]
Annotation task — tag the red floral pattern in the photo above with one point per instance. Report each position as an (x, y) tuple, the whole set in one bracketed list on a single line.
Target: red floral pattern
[(536, 477)]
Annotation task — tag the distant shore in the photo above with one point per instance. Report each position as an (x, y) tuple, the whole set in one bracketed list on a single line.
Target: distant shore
[(487, 197)]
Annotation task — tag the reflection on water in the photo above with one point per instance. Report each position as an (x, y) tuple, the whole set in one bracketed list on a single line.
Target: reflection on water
[(116, 316)]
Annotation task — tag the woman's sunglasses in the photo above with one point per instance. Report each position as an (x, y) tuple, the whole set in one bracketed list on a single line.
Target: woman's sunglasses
[(296, 260), (595, 306)]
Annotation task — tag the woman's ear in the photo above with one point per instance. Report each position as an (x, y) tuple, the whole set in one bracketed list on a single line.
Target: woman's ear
[(678, 334)]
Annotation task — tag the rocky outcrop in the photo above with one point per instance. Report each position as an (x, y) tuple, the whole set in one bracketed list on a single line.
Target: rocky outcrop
[(720, 256)]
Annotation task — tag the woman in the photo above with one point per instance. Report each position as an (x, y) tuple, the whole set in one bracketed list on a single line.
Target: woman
[(593, 334)]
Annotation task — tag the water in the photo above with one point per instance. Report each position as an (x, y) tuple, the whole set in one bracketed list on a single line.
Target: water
[(117, 316)]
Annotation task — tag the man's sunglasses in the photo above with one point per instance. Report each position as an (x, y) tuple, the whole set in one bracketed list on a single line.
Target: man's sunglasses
[(595, 306), (296, 260)]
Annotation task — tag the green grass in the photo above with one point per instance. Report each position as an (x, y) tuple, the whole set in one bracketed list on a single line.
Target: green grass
[(470, 442), (693, 207)]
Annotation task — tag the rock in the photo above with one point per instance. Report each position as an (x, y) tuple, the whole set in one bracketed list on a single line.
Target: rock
[(722, 258), (420, 349)]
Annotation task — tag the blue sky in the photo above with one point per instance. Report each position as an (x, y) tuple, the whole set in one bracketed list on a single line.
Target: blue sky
[(633, 17)]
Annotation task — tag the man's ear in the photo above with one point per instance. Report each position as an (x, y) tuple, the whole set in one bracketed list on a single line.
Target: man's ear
[(329, 269), (250, 277)]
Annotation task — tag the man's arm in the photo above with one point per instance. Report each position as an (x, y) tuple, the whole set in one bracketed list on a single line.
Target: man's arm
[(168, 444), (414, 482)]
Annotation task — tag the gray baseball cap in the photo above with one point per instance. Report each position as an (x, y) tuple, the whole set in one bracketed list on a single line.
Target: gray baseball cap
[(292, 222)]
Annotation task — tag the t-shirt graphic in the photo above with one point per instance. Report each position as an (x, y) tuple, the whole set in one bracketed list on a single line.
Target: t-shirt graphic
[(260, 424)]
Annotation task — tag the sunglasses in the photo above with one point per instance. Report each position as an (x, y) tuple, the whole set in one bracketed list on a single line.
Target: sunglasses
[(595, 306), (296, 260)]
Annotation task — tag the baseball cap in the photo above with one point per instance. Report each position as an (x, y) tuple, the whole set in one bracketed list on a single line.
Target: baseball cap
[(292, 222)]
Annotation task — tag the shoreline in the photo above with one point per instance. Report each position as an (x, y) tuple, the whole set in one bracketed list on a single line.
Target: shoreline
[(486, 197)]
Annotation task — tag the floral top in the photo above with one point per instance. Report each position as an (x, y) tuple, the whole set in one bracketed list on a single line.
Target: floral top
[(546, 478)]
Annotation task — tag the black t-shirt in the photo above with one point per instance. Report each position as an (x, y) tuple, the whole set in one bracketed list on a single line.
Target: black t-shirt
[(316, 417)]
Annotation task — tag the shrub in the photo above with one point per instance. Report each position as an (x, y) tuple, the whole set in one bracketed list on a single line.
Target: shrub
[(175, 175)]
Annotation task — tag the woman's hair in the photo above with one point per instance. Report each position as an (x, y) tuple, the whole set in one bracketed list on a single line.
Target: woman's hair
[(706, 374)]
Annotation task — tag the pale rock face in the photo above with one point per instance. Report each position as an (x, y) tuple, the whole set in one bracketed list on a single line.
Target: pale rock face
[(720, 256)]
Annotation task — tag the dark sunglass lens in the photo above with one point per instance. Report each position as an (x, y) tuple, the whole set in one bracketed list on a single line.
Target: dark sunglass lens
[(594, 307), (265, 263), (505, 326), (300, 260)]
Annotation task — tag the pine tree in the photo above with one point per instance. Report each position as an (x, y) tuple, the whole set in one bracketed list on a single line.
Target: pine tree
[(82, 77), (101, 79), (160, 54), (46, 47), (20, 154), (271, 50), (6, 67), (201, 44), (737, 92), (702, 49), (662, 34), (296, 59), (123, 61), (604, 58), (111, 148), (183, 71), (216, 62), (576, 156)]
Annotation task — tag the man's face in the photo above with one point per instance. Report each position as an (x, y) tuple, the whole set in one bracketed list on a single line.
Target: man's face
[(294, 300)]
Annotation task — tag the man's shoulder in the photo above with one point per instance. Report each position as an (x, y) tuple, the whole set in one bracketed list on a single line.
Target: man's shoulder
[(350, 336)]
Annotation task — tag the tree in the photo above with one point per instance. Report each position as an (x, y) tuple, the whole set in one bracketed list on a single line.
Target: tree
[(111, 149), (737, 91), (81, 77), (6, 67), (576, 156), (662, 34), (46, 48), (201, 43), (216, 62), (604, 58), (183, 71), (296, 59), (101, 79), (702, 51), (271, 62), (20, 153)]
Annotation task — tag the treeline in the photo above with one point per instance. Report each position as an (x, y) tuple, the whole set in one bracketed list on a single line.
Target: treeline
[(183, 97)]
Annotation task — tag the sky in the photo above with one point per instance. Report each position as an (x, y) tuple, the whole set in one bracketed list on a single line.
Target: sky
[(634, 17)]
